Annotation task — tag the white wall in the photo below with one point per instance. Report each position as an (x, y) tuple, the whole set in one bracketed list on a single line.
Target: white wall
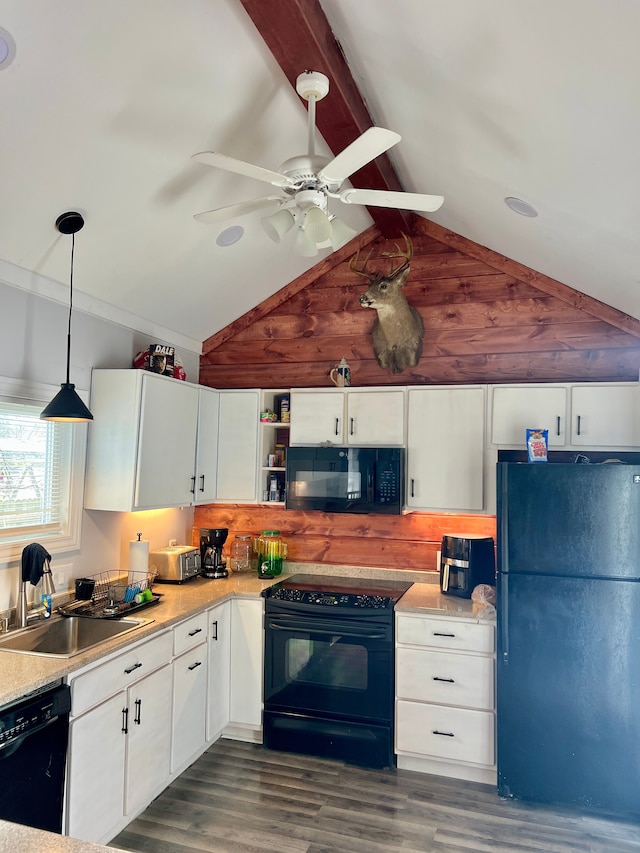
[(33, 339)]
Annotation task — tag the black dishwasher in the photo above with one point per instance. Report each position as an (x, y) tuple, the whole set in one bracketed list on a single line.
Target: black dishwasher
[(34, 732)]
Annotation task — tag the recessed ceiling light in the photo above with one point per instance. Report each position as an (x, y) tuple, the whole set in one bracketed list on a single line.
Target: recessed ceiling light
[(230, 235), (520, 206), (7, 49)]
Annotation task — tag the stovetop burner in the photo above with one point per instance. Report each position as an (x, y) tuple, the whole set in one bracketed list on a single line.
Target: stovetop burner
[(331, 591)]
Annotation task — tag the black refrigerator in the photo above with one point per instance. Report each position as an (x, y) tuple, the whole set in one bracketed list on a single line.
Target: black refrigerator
[(568, 665)]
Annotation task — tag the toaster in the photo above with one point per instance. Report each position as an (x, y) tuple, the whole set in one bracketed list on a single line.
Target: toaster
[(175, 564)]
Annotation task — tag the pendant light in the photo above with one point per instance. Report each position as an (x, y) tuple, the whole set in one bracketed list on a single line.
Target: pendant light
[(67, 406)]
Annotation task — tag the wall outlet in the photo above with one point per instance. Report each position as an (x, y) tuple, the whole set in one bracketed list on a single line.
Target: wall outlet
[(172, 542), (61, 579)]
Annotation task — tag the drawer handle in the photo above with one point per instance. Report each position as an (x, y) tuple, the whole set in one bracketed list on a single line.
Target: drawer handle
[(448, 680), (440, 634), (195, 665), (131, 669), (443, 734), (197, 631)]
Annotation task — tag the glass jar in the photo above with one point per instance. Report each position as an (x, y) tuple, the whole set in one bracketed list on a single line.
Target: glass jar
[(241, 553), (271, 551)]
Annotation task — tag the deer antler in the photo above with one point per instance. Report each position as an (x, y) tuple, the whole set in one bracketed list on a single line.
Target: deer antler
[(407, 255), (363, 271)]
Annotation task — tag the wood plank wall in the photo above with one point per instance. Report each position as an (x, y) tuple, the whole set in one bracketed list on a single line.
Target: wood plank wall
[(487, 320), (393, 542)]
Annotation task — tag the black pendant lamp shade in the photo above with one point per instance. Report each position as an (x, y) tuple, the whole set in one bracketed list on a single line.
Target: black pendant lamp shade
[(67, 405)]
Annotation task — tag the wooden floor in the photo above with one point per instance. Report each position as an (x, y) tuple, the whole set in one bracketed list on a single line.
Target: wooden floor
[(241, 798)]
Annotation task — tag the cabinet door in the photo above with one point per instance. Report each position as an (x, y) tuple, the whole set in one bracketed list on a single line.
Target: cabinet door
[(219, 670), (445, 447), (189, 703), (317, 417), (516, 409), (605, 415), (207, 445), (375, 417), (245, 703), (166, 444), (238, 446), (95, 771), (147, 765)]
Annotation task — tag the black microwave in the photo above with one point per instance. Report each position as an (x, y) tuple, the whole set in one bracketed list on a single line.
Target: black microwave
[(345, 479)]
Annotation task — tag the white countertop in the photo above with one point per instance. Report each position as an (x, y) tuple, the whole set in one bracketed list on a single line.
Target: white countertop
[(426, 598)]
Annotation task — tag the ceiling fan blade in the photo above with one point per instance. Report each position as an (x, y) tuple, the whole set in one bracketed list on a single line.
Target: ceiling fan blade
[(362, 150), (387, 198), (230, 164), (221, 214)]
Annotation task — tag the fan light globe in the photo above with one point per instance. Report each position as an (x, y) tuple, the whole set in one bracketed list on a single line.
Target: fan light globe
[(277, 225), (316, 225), (303, 246), (341, 233)]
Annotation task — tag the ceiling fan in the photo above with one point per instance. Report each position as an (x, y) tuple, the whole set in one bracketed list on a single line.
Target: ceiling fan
[(309, 180)]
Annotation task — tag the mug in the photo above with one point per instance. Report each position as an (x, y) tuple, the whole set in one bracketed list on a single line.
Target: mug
[(85, 588), (340, 375)]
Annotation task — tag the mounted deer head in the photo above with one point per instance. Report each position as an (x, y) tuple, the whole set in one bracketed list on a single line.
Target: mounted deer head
[(397, 331)]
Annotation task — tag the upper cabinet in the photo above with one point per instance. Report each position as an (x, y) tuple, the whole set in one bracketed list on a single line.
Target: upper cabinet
[(605, 415), (576, 416), (207, 445), (142, 441), (358, 417), (238, 446), (516, 408), (445, 448)]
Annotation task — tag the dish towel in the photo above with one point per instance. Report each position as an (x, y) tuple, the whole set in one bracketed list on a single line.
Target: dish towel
[(34, 557)]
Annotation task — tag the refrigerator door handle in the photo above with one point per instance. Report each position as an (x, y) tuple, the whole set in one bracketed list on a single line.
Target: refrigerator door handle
[(504, 617)]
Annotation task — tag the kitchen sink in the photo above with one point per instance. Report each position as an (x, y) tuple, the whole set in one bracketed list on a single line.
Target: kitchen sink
[(68, 636)]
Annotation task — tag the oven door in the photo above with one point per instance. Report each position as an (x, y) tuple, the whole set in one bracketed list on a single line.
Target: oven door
[(328, 664)]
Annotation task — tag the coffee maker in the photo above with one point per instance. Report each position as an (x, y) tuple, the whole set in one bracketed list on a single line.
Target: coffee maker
[(211, 543)]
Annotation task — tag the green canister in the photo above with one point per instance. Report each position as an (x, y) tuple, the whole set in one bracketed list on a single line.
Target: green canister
[(271, 551)]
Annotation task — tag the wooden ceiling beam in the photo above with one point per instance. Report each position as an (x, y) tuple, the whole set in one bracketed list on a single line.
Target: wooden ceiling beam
[(299, 36)]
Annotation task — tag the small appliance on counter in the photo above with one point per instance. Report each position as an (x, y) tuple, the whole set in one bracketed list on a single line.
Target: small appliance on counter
[(465, 562), (212, 564), (175, 563)]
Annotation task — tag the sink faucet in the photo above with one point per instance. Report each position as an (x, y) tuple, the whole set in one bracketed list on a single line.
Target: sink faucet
[(35, 566)]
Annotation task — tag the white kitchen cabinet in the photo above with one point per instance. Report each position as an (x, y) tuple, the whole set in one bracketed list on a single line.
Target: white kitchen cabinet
[(516, 408), (112, 771), (247, 655), (358, 417), (445, 448), (445, 696), (142, 441), (605, 415), (274, 440), (219, 643), (206, 472), (189, 706), (238, 446)]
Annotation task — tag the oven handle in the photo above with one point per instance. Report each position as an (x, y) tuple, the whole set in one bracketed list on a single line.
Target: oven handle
[(326, 627)]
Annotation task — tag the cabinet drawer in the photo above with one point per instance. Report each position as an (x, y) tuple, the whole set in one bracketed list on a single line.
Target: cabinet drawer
[(94, 686), (189, 633), (427, 676), (452, 733), (451, 634)]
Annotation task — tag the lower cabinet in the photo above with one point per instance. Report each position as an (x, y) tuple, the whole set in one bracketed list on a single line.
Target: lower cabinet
[(120, 714), (219, 654), (189, 690), (247, 654), (445, 697)]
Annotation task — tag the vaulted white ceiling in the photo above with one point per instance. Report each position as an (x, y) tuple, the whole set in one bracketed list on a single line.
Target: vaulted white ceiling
[(105, 102)]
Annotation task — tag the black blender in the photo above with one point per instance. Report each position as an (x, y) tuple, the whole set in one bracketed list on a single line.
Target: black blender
[(211, 544)]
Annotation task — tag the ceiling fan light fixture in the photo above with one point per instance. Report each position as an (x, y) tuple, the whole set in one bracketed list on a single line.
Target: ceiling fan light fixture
[(278, 224), (67, 406), (341, 233), (316, 225), (302, 245)]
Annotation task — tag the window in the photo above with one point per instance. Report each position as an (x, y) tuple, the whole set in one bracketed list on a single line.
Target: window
[(40, 472)]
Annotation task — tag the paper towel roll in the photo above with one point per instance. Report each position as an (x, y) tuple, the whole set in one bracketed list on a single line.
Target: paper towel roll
[(139, 555)]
